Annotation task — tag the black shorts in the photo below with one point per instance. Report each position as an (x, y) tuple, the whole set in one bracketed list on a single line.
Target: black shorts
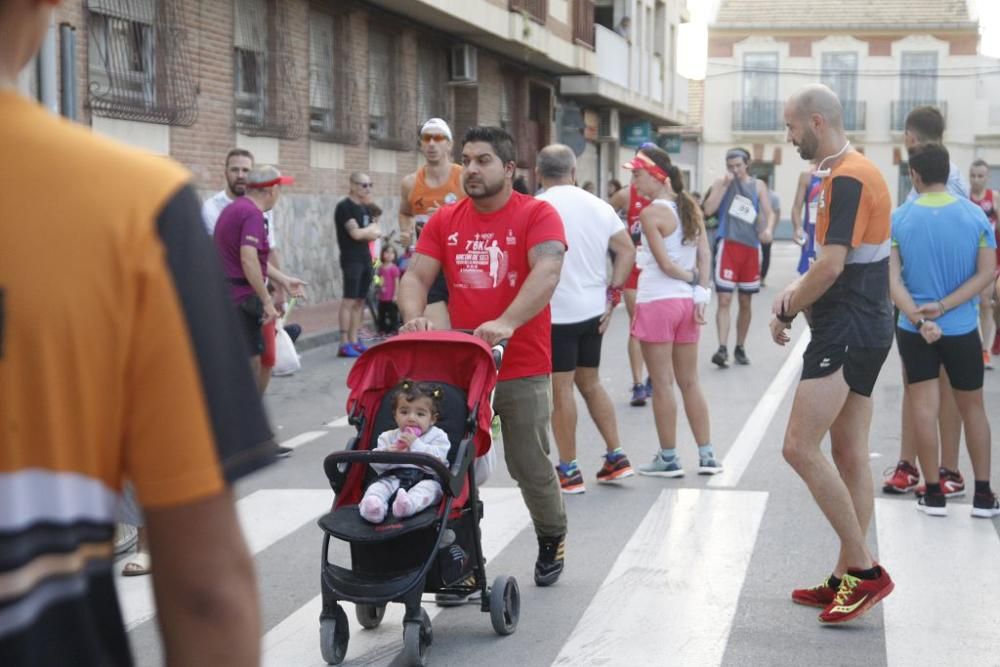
[(961, 356), (576, 345), (249, 313), (861, 364), (438, 291), (357, 279)]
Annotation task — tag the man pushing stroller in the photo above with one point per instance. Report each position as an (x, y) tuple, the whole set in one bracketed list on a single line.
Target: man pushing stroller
[(501, 253)]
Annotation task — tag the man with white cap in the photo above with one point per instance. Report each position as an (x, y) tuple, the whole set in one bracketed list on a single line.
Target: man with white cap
[(241, 239), (437, 183)]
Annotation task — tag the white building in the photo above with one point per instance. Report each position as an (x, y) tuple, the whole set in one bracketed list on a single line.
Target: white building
[(881, 58), (634, 88)]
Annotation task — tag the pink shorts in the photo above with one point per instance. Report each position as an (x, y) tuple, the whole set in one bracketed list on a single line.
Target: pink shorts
[(666, 321)]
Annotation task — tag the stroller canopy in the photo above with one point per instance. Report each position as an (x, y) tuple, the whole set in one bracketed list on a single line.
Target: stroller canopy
[(439, 356)]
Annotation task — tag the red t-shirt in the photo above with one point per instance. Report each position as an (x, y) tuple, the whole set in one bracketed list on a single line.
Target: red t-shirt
[(484, 258), (990, 209), (636, 202)]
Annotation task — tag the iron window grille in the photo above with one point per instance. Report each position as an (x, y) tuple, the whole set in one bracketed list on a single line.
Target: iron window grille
[(333, 88), (130, 76), (391, 111), (264, 78), (432, 88)]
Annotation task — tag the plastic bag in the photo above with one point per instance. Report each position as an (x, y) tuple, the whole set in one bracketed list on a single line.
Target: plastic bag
[(483, 466), (286, 358)]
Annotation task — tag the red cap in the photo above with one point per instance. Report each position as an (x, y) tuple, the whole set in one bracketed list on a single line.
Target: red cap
[(280, 180)]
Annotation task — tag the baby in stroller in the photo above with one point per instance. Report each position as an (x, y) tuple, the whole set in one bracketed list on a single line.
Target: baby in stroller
[(416, 410)]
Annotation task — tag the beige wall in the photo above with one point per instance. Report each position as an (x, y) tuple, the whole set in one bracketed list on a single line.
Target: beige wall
[(969, 132)]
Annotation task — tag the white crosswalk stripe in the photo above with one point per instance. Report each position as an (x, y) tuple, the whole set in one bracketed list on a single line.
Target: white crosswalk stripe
[(295, 641), (686, 561), (918, 550), (684, 566), (266, 517)]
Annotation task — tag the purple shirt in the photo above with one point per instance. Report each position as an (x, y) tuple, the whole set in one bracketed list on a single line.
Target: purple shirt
[(241, 223)]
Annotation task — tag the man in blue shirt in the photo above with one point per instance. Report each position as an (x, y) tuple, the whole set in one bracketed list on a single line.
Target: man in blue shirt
[(943, 255), (925, 125)]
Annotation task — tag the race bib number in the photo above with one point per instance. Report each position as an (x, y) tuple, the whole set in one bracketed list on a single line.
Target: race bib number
[(813, 211), (742, 209)]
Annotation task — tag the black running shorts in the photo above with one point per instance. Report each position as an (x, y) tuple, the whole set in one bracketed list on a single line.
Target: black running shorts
[(357, 279), (861, 364), (961, 356), (249, 318), (576, 345), (438, 291)]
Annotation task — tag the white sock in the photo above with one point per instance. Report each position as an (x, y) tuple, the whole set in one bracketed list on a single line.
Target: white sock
[(403, 505), (372, 509)]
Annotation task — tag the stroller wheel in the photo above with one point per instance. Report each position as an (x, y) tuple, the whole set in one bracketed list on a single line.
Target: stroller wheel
[(505, 605), (417, 639), (334, 633), (369, 615)]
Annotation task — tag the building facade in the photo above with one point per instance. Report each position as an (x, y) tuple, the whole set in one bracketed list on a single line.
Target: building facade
[(326, 88), (882, 59)]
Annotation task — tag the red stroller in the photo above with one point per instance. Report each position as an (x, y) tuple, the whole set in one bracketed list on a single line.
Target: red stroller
[(438, 550)]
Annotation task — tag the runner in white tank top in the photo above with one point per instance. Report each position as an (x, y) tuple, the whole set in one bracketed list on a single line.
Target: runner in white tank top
[(655, 284), (670, 308)]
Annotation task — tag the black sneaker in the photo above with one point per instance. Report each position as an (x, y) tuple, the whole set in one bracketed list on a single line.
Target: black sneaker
[(457, 599), (721, 357), (933, 504), (551, 556), (283, 452), (740, 355), (985, 505)]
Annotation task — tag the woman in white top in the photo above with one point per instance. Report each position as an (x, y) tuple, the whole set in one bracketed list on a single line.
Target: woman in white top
[(670, 307)]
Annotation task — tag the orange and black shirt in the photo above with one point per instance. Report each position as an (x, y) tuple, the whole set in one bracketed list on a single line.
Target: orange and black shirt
[(120, 358), (855, 210)]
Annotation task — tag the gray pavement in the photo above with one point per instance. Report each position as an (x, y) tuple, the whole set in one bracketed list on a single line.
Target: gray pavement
[(686, 571)]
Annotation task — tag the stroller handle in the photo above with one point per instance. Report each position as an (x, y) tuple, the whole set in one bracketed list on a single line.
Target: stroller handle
[(497, 349)]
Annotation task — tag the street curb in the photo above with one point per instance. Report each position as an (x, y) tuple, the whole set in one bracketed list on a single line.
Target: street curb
[(313, 341)]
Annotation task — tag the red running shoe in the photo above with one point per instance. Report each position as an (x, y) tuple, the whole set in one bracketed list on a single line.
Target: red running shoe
[(903, 479), (952, 484), (856, 597), (818, 596)]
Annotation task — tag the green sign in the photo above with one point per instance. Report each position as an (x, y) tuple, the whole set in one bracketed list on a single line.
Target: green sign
[(669, 142), (637, 133)]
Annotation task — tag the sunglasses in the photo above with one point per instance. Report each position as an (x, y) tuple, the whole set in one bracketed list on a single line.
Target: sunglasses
[(427, 138), (362, 185)]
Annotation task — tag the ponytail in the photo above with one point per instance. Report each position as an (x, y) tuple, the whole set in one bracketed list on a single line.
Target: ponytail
[(689, 210)]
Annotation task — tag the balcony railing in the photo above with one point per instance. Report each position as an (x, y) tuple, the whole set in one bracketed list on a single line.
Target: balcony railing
[(854, 115), (583, 22), (757, 116), (536, 9), (901, 108)]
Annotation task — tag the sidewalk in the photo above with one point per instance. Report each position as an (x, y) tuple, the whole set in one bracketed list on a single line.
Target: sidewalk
[(319, 324)]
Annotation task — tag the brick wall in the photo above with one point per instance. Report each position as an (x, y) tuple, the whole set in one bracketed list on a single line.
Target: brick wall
[(304, 217)]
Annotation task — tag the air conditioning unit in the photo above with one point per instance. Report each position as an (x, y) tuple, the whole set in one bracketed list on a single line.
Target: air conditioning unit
[(463, 63), (607, 126)]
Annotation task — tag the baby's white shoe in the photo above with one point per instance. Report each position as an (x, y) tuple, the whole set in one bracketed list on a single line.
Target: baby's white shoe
[(372, 509)]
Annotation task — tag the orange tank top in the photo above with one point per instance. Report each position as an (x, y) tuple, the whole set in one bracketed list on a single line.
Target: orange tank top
[(423, 198)]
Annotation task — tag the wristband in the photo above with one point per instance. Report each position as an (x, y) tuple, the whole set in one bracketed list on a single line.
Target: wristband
[(701, 295), (920, 323), (614, 295), (785, 319), (941, 306)]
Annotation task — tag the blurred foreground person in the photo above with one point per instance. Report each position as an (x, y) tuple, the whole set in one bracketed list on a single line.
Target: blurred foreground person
[(116, 361)]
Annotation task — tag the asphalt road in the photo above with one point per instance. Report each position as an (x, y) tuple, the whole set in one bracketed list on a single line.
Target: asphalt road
[(693, 571)]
